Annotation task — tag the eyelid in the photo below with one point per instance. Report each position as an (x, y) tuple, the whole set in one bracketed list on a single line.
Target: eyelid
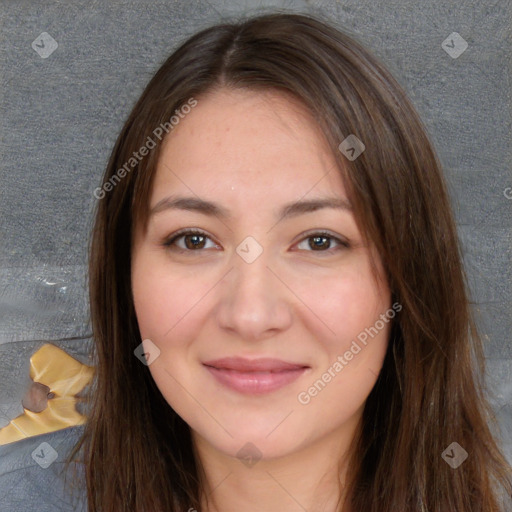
[(323, 232), (169, 241)]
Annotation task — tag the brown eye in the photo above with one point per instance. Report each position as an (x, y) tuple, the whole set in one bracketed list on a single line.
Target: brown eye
[(319, 242), (322, 242), (193, 240)]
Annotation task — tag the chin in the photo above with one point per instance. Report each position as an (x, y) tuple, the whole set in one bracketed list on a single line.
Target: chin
[(254, 443)]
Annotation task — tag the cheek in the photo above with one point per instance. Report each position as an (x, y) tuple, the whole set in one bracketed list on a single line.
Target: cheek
[(166, 306), (351, 306), (335, 307), (163, 300), (342, 306), (353, 338), (151, 305)]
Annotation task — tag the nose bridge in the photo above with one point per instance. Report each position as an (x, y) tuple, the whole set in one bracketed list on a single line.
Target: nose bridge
[(253, 288), (253, 299), (251, 270)]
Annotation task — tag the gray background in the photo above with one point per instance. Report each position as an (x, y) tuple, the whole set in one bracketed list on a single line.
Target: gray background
[(61, 115)]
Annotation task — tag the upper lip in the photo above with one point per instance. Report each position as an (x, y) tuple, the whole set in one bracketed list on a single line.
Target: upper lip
[(252, 365)]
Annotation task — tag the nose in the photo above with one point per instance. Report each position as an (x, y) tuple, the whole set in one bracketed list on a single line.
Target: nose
[(255, 303)]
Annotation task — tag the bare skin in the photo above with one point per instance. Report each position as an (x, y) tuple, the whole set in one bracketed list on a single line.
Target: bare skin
[(252, 153)]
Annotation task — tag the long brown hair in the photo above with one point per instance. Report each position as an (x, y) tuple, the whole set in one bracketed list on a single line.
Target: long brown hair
[(430, 392)]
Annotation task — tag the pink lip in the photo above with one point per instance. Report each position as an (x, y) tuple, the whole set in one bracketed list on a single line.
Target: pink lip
[(255, 376)]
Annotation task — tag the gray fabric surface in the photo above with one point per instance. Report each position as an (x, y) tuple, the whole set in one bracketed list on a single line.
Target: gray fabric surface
[(61, 115), (33, 475)]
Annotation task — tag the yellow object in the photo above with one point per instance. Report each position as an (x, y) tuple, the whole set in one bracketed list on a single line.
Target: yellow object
[(65, 376)]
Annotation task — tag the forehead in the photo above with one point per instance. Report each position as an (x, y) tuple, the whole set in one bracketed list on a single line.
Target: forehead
[(264, 145)]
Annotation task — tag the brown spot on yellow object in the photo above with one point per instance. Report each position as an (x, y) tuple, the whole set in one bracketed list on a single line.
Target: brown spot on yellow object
[(49, 403), (36, 398)]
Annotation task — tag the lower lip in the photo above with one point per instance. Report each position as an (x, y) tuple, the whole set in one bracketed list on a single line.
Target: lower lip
[(255, 383)]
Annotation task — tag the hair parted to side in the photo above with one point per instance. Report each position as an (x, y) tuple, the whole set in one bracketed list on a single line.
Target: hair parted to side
[(430, 392)]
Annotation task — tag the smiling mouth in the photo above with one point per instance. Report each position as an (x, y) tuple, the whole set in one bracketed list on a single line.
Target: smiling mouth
[(254, 377)]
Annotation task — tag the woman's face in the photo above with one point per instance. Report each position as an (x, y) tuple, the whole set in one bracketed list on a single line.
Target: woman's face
[(258, 282)]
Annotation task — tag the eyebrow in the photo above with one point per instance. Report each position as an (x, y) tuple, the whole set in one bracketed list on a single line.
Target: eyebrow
[(210, 208)]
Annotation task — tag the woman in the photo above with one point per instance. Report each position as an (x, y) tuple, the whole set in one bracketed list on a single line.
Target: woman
[(279, 309)]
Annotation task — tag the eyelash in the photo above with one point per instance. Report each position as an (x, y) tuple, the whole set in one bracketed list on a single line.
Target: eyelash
[(168, 243)]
